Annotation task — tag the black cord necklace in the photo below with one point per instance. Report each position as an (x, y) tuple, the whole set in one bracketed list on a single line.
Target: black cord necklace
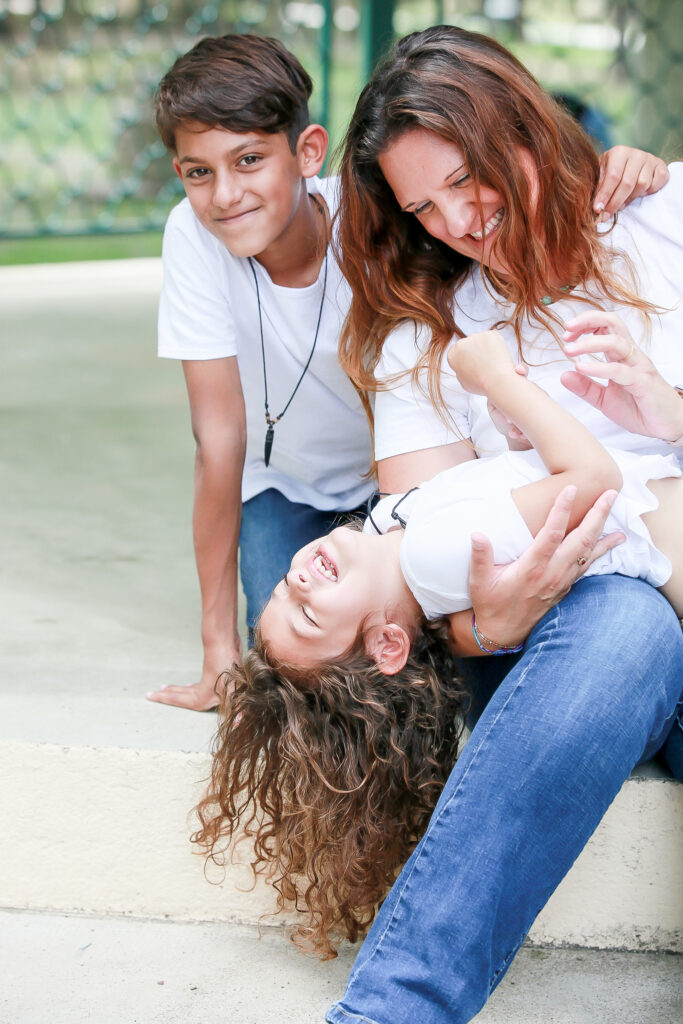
[(376, 496), (271, 421)]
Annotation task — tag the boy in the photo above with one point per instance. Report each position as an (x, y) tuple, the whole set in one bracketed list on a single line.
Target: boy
[(253, 304)]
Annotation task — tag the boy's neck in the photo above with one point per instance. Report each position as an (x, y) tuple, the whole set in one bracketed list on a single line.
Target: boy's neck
[(295, 258)]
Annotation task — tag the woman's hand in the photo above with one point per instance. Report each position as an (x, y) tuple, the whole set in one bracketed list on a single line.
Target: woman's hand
[(508, 600), (625, 175), (475, 358), (637, 397)]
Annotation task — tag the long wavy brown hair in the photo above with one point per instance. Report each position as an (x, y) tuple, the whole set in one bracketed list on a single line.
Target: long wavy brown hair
[(332, 777), (469, 91)]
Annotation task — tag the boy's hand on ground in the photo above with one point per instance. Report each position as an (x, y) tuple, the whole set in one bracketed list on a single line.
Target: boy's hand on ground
[(201, 696)]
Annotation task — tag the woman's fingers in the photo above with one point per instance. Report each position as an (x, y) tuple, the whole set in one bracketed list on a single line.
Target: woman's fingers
[(595, 321), (481, 561), (626, 175), (620, 372), (659, 178), (585, 543), (583, 387), (581, 543)]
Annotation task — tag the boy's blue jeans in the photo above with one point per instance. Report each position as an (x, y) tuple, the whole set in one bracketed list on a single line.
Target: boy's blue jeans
[(593, 693), (273, 529)]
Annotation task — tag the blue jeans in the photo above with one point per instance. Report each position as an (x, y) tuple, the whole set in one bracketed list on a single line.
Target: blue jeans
[(592, 694), (273, 529)]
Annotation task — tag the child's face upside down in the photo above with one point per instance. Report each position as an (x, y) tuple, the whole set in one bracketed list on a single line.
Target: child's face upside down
[(336, 586)]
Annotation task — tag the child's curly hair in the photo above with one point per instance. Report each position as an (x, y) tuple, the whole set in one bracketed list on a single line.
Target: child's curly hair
[(334, 776)]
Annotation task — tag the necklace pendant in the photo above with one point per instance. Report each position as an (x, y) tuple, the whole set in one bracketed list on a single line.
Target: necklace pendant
[(268, 447)]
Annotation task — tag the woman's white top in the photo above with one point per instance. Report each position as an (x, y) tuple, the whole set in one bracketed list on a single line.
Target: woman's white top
[(209, 310), (650, 231), (475, 496)]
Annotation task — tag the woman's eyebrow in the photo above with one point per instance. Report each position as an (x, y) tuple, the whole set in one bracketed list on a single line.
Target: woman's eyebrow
[(416, 202), (456, 171)]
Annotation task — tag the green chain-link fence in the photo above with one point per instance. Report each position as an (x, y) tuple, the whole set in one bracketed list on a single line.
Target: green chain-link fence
[(79, 152)]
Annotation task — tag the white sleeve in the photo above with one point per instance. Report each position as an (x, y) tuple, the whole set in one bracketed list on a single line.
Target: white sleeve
[(195, 316), (405, 418)]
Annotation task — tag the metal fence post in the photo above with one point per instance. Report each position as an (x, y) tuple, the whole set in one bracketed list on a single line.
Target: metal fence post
[(378, 31)]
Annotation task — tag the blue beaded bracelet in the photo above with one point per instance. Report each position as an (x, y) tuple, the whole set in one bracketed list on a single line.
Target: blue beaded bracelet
[(481, 640)]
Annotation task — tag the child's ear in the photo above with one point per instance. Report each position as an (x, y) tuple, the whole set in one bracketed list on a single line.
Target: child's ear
[(311, 150), (177, 168), (388, 646)]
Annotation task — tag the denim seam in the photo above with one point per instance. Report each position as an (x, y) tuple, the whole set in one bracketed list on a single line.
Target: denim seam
[(353, 1016), (434, 822)]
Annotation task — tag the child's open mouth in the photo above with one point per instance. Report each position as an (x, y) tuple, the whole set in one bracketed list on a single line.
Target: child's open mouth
[(325, 566)]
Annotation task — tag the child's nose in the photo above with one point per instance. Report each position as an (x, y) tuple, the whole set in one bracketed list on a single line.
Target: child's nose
[(298, 578), (227, 191)]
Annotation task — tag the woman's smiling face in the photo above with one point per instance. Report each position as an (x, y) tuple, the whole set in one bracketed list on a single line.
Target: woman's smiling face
[(335, 585), (430, 180)]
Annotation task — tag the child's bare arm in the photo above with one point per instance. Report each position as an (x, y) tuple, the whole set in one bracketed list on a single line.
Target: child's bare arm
[(571, 454), (219, 427)]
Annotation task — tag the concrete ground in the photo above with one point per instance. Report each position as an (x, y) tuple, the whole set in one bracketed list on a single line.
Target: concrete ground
[(99, 596), (113, 971), (99, 603)]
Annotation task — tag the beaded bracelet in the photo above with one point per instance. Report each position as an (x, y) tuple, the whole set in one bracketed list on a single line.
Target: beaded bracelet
[(482, 640)]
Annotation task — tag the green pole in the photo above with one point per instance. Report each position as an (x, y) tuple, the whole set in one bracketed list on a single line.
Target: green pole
[(378, 30), (325, 52)]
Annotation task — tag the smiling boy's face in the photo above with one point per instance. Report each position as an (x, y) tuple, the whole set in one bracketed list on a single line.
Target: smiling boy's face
[(246, 188), (335, 585)]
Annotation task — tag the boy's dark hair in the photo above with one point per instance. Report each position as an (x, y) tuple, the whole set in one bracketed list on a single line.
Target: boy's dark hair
[(239, 82)]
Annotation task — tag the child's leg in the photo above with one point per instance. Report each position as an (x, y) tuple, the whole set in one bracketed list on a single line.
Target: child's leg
[(666, 529), (272, 531)]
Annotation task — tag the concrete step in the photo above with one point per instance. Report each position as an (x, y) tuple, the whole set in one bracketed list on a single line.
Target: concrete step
[(104, 829), (112, 971)]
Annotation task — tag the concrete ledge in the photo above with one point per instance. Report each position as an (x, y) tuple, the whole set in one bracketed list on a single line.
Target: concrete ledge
[(105, 831)]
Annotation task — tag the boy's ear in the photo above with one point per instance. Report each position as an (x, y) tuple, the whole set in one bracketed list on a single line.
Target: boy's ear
[(311, 150), (177, 168), (389, 646)]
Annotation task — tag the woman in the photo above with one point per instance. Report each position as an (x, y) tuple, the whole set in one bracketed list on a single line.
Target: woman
[(466, 204)]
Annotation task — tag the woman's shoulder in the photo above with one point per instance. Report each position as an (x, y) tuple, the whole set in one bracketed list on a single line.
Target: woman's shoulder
[(661, 212), (402, 349)]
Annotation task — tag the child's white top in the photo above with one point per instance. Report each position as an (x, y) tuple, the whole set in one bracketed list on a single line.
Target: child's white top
[(650, 232), (209, 310), (475, 497)]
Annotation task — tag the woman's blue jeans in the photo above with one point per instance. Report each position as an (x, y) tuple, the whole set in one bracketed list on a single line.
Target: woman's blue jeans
[(593, 693)]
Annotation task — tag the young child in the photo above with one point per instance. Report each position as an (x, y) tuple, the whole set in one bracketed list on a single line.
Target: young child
[(253, 304), (346, 715), (384, 583)]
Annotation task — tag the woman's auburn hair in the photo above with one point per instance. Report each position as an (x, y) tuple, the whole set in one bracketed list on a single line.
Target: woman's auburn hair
[(469, 91), (332, 777)]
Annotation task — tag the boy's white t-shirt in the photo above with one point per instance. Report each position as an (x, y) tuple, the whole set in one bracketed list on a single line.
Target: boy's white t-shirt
[(209, 310), (649, 232), (476, 496)]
